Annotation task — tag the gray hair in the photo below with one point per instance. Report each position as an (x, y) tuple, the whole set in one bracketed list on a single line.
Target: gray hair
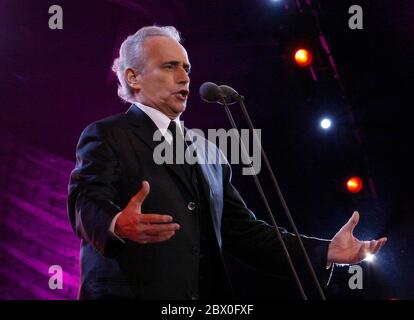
[(130, 55)]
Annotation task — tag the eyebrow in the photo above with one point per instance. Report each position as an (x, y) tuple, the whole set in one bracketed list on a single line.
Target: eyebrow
[(177, 63)]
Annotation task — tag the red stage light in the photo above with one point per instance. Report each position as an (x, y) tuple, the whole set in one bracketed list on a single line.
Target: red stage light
[(303, 57), (354, 184)]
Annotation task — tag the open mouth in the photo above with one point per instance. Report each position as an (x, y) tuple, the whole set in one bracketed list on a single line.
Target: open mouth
[(183, 94)]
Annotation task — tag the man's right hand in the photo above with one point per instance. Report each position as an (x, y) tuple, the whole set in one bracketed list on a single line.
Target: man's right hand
[(144, 227)]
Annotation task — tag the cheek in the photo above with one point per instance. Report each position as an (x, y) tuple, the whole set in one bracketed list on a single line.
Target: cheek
[(159, 86)]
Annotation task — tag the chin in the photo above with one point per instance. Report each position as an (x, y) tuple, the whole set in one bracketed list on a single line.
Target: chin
[(180, 108)]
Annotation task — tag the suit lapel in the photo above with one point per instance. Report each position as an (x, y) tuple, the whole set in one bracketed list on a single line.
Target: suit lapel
[(143, 127)]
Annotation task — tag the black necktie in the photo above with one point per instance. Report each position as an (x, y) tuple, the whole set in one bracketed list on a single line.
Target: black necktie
[(179, 144), (173, 129), (176, 138)]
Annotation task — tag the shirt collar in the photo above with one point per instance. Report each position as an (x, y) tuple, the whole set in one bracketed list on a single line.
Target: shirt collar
[(161, 120)]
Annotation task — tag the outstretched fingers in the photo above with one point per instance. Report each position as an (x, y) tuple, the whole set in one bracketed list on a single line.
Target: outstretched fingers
[(157, 229)]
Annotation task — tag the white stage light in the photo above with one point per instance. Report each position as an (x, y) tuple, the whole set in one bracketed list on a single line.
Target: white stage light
[(326, 123)]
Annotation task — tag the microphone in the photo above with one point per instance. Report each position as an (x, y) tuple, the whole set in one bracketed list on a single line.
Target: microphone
[(226, 95), (210, 92), (230, 95)]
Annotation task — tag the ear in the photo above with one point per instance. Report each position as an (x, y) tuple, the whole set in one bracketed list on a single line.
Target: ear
[(133, 78)]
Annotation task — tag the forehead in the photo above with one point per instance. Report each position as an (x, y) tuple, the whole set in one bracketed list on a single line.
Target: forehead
[(164, 49)]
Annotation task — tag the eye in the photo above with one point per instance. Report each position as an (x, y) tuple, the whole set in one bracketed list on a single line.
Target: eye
[(169, 67)]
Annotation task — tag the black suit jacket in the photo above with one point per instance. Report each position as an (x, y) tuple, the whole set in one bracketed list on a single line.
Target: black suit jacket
[(114, 156)]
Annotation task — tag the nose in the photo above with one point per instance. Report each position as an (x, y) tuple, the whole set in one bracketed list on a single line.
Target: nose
[(182, 76)]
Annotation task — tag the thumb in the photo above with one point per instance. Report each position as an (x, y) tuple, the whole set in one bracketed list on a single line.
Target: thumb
[(139, 198), (352, 222)]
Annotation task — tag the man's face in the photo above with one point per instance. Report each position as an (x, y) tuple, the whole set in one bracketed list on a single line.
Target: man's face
[(164, 81)]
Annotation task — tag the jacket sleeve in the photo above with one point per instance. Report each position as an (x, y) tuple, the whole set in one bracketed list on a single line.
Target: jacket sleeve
[(92, 190), (255, 242)]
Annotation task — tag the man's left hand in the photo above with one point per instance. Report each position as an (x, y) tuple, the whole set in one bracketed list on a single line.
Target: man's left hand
[(345, 248)]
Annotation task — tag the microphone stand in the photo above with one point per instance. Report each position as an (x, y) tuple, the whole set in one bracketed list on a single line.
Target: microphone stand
[(240, 100), (269, 211)]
